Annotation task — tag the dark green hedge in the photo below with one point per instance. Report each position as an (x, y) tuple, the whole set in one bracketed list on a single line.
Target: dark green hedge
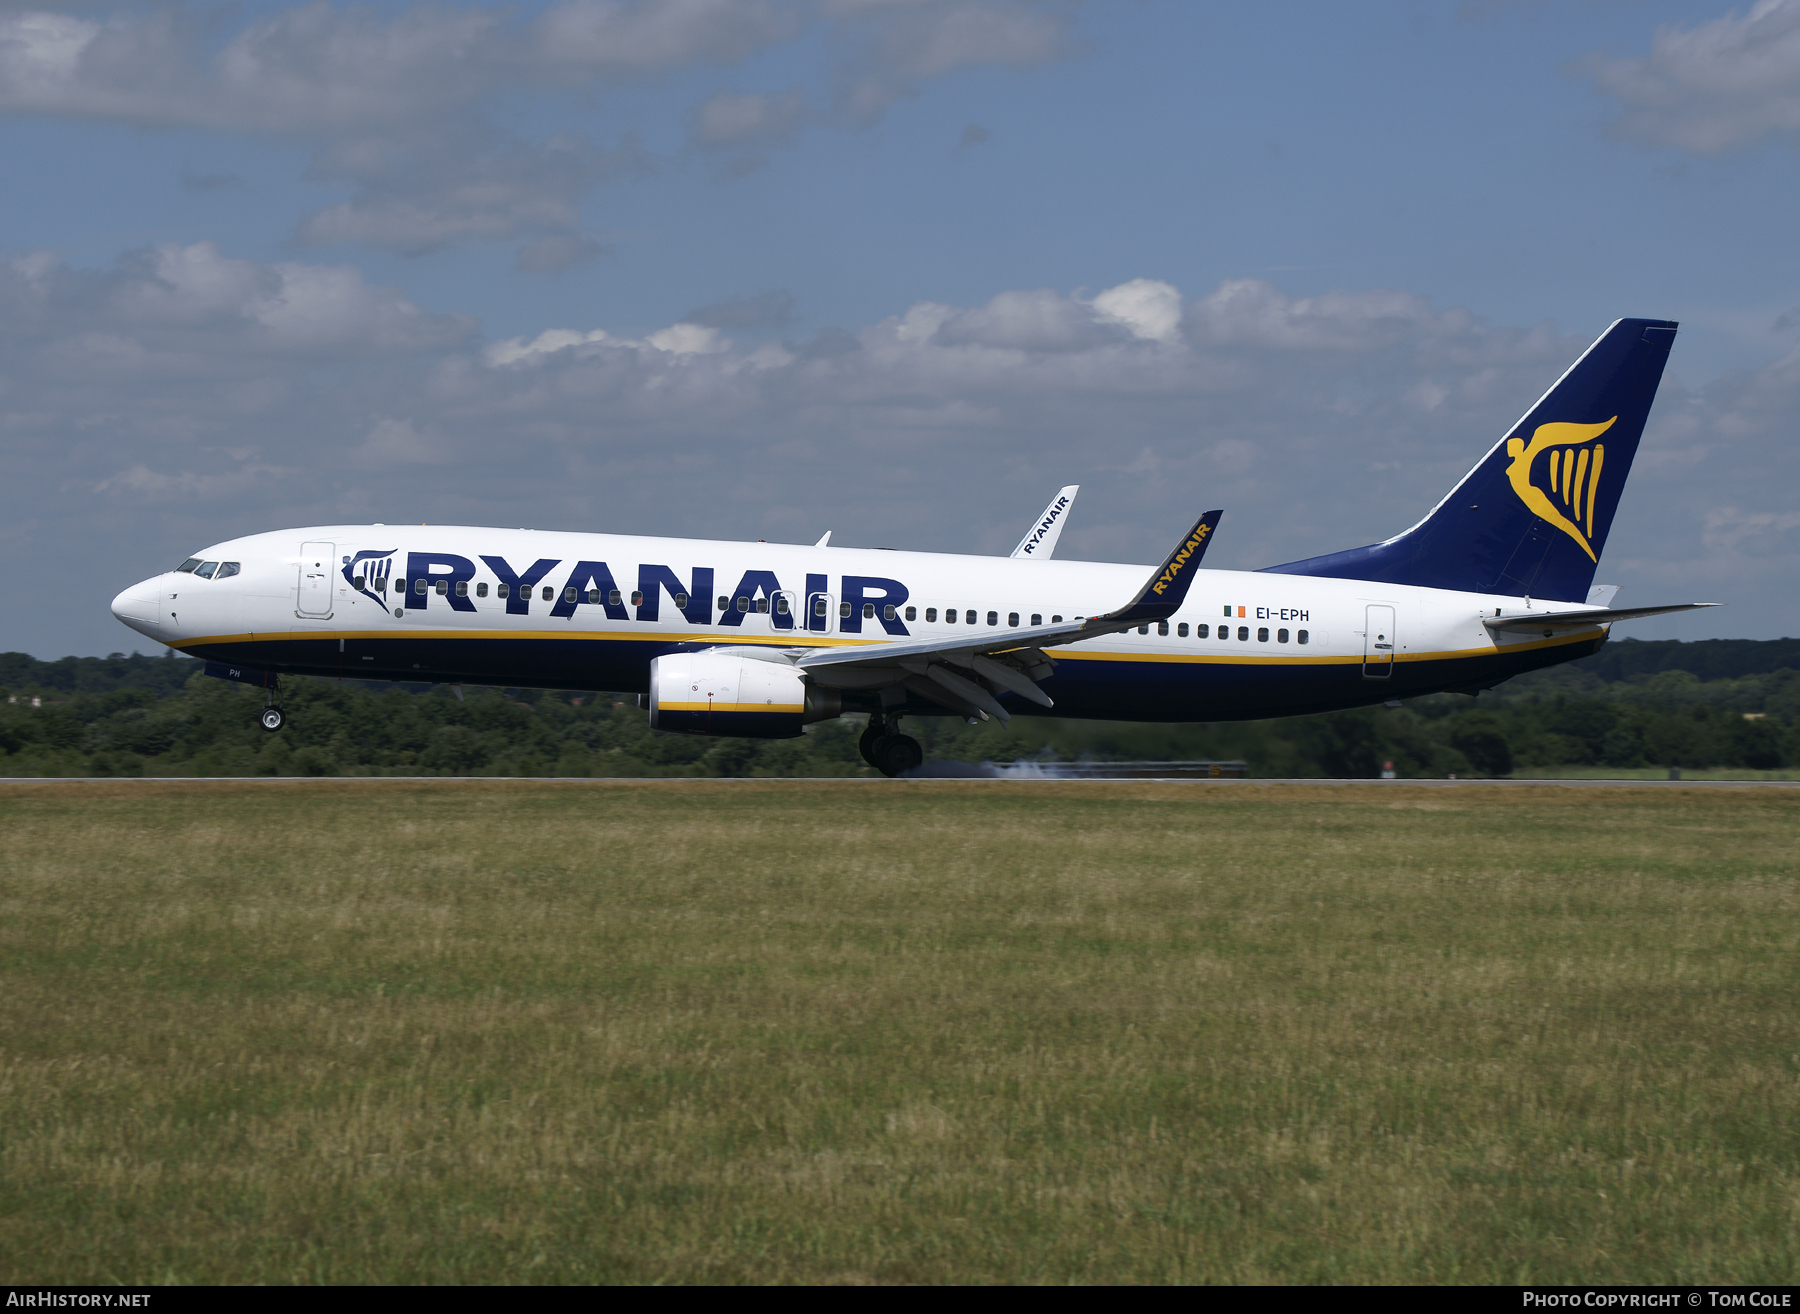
[(160, 716)]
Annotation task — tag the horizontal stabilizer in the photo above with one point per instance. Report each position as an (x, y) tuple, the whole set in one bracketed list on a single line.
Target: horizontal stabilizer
[(1547, 622)]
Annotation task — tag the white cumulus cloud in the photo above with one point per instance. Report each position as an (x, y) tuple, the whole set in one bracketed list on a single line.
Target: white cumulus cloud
[(677, 340), (1149, 308), (1715, 86)]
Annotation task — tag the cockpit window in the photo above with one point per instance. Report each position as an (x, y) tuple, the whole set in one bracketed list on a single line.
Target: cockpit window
[(227, 569), (187, 566), (206, 569)]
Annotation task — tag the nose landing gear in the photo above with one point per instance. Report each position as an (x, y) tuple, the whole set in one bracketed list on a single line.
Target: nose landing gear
[(272, 717), (886, 749)]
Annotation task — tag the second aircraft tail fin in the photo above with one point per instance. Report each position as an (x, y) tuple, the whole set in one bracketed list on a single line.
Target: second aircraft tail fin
[(1040, 539)]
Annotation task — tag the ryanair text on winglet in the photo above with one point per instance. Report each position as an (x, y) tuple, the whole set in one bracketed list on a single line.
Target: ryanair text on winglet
[(1180, 559), (1036, 538)]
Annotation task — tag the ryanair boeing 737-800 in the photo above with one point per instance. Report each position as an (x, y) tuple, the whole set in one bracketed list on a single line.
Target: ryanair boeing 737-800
[(761, 639)]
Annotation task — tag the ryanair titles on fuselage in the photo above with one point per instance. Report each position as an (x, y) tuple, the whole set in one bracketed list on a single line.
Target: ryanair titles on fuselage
[(451, 578)]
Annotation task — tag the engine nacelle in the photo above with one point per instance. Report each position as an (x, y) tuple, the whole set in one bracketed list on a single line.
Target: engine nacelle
[(713, 693)]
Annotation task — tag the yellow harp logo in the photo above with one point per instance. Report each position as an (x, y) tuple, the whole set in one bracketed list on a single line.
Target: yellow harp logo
[(1573, 472)]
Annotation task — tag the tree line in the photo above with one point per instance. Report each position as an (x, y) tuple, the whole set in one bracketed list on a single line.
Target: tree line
[(160, 716)]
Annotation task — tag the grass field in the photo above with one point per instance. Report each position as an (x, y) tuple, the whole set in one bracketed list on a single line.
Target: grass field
[(897, 1032)]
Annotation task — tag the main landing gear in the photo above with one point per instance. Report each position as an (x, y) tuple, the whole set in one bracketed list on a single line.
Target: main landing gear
[(886, 749), (272, 717)]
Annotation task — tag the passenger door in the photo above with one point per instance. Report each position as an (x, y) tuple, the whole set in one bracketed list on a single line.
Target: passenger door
[(317, 569), (1379, 644)]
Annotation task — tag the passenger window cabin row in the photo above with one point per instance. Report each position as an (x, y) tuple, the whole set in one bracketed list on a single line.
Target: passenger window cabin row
[(761, 606), (972, 617), (1202, 631)]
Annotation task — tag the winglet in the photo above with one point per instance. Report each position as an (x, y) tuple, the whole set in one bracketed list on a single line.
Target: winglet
[(1165, 590)]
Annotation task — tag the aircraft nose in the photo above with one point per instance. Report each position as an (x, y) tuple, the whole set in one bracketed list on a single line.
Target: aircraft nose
[(136, 606)]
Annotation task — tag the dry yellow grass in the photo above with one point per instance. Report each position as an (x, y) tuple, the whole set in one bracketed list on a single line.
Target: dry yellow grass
[(934, 1031)]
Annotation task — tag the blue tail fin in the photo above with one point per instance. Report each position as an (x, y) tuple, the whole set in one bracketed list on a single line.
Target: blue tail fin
[(1532, 518)]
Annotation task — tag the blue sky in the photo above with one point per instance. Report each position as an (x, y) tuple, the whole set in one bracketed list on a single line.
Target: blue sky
[(293, 264)]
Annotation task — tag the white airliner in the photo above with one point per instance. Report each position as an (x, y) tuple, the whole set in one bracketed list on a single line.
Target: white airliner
[(760, 639)]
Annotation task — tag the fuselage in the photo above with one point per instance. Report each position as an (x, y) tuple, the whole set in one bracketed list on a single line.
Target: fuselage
[(564, 610)]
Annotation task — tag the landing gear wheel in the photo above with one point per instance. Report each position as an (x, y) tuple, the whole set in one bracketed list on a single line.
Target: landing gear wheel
[(272, 719), (895, 755), (877, 731)]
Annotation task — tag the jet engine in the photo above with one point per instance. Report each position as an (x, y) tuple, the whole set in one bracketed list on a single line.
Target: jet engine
[(721, 693)]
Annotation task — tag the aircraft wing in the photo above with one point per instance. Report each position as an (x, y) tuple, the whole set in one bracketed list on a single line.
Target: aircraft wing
[(1545, 622), (1040, 539), (966, 671)]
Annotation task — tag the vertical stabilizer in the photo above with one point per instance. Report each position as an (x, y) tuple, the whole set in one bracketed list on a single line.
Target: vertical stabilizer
[(1532, 518)]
